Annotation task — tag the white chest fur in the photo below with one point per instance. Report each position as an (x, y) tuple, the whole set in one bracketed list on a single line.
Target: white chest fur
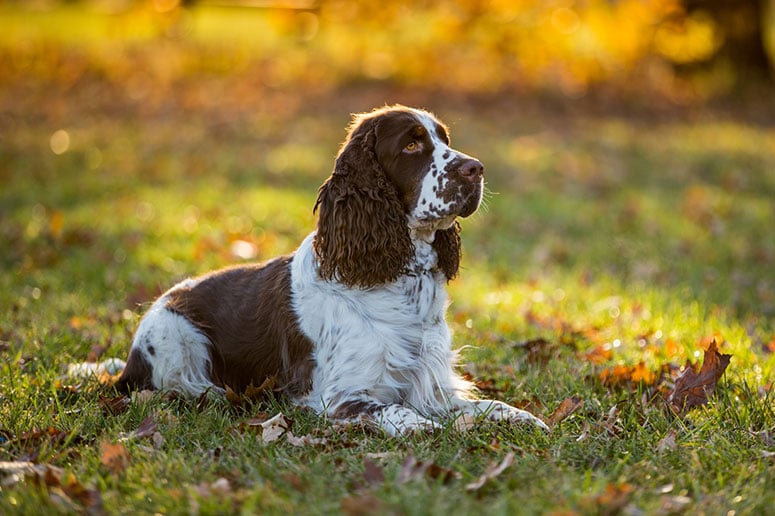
[(389, 343)]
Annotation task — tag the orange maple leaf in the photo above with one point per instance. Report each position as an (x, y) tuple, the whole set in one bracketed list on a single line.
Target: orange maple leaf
[(692, 389), (114, 456)]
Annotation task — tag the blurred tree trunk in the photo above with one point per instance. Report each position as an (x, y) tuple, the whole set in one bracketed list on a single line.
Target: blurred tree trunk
[(741, 25)]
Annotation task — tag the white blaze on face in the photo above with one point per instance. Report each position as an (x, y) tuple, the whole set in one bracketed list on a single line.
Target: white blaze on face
[(435, 207)]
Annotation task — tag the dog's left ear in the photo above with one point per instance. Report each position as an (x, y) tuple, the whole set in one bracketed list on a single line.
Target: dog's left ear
[(448, 249), (362, 237)]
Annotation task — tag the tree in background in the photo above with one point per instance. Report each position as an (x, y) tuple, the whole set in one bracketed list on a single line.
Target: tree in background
[(741, 26)]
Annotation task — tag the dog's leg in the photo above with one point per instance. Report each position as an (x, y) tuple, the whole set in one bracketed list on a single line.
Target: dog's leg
[(170, 353), (394, 419), (497, 411)]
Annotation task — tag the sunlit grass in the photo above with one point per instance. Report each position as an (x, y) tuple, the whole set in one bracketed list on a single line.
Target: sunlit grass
[(617, 239)]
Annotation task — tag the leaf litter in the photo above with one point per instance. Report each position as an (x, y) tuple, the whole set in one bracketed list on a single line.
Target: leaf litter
[(693, 388), (63, 487)]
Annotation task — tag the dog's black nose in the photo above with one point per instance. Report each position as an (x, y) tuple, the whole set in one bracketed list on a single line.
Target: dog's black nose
[(471, 169)]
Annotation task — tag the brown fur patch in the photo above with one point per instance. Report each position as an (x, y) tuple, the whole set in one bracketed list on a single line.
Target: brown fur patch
[(246, 313)]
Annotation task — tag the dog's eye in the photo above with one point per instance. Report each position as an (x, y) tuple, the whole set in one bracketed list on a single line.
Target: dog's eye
[(412, 147)]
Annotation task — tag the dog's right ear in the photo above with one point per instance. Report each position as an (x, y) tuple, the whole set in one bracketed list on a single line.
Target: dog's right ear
[(362, 236)]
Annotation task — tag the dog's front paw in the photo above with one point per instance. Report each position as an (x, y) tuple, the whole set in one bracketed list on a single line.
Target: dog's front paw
[(499, 411), (516, 415), (397, 420)]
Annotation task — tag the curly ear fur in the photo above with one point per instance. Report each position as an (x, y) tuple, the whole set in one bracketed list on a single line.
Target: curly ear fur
[(448, 249), (362, 238)]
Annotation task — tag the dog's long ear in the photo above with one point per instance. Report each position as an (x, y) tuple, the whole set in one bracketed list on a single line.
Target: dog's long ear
[(448, 249), (362, 236)]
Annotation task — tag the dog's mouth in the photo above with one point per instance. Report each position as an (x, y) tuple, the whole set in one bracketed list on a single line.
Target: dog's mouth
[(470, 203)]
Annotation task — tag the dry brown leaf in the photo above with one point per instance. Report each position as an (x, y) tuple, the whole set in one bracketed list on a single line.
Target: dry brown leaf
[(114, 456), (611, 419), (143, 396), (586, 429), (692, 389), (274, 428), (612, 500), (599, 354), (622, 374), (564, 410), (674, 504), (464, 422), (253, 393), (413, 469), (257, 420), (305, 440), (64, 485), (365, 504), (233, 397), (147, 428), (668, 442), (492, 472), (13, 472), (539, 351), (114, 406), (372, 473)]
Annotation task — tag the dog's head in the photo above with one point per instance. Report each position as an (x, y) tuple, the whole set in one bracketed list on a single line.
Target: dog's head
[(395, 174)]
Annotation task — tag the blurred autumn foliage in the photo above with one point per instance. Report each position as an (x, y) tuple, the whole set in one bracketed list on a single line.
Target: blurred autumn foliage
[(685, 51)]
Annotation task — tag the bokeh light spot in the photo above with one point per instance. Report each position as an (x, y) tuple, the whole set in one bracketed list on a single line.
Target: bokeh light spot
[(59, 142)]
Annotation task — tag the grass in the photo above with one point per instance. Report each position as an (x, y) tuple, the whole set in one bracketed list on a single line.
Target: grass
[(616, 237)]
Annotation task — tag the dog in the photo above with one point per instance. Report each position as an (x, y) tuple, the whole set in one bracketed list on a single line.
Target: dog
[(351, 324)]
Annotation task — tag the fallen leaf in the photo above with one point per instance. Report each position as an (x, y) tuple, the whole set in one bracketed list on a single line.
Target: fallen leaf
[(143, 396), (674, 504), (372, 473), (622, 374), (274, 428), (770, 346), (766, 437), (114, 456), (641, 374), (668, 442), (611, 419), (221, 486), (364, 504), (257, 420), (493, 471), (612, 500), (36, 436), (692, 389), (114, 406), (147, 428), (233, 397), (464, 422), (413, 469), (567, 407), (585, 432), (599, 354), (14, 472), (305, 440), (539, 351), (58, 483), (253, 393)]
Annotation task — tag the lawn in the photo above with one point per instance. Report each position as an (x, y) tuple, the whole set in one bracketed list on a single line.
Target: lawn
[(616, 243)]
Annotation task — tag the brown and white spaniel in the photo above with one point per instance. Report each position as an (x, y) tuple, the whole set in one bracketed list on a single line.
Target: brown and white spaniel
[(352, 323)]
